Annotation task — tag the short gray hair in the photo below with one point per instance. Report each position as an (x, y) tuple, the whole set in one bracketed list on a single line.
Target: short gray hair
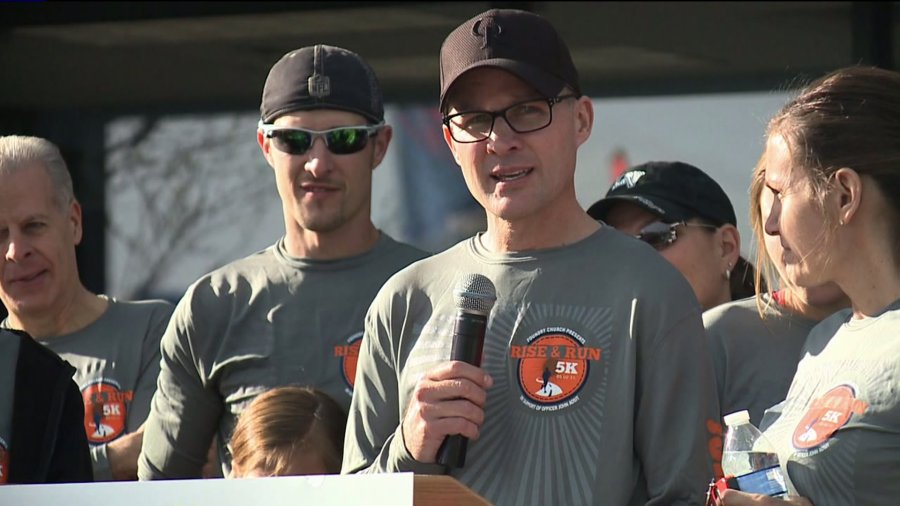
[(19, 152)]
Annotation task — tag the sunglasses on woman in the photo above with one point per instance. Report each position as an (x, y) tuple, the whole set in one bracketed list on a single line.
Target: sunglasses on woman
[(661, 235), (340, 140)]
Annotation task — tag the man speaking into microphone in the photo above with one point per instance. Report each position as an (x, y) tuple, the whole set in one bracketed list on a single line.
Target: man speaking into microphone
[(595, 385)]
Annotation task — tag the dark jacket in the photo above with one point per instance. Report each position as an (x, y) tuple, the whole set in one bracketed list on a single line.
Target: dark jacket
[(48, 443)]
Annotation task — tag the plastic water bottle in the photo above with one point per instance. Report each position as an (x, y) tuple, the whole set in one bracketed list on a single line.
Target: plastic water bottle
[(751, 458)]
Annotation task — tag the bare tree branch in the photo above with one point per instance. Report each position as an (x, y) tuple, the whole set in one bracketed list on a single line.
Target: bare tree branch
[(175, 182)]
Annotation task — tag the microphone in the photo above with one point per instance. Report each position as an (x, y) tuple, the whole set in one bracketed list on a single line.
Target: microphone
[(474, 296)]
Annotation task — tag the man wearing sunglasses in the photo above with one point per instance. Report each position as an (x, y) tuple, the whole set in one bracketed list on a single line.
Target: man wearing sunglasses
[(686, 216), (595, 384), (293, 313)]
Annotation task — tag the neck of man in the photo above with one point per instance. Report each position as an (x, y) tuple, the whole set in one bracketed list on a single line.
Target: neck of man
[(344, 242), (70, 315), (550, 228)]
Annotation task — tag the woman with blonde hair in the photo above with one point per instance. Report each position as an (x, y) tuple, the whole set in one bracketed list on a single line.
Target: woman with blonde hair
[(832, 165), (756, 341)]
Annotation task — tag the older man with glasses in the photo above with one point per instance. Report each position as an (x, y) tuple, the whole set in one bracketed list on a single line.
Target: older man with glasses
[(292, 313), (595, 385), (683, 213)]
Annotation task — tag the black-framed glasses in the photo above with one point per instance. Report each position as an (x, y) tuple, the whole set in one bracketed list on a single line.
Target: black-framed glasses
[(340, 141), (661, 235), (522, 117)]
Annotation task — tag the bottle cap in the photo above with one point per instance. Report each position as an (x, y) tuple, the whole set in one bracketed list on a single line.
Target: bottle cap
[(737, 418)]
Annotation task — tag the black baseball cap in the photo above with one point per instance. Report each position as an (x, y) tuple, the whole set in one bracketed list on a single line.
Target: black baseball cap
[(674, 191), (517, 41), (321, 77)]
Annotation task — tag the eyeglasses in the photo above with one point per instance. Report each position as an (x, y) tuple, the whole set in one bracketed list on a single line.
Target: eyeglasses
[(660, 235), (522, 117), (340, 141)]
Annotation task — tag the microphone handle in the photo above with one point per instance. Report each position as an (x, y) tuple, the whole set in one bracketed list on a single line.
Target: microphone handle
[(468, 343)]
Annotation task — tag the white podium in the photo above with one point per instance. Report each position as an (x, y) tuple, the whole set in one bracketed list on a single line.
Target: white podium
[(398, 489)]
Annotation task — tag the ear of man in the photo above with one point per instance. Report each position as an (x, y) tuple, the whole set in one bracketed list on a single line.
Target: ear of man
[(75, 219), (450, 144), (266, 146), (382, 141), (584, 119)]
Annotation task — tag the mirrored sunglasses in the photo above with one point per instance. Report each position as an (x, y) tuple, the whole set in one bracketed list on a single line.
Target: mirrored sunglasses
[(661, 235), (340, 140)]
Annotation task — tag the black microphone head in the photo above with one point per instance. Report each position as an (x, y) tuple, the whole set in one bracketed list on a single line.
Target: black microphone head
[(475, 293)]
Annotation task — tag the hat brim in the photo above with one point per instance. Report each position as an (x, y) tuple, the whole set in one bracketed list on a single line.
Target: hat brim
[(307, 105), (667, 210), (545, 83)]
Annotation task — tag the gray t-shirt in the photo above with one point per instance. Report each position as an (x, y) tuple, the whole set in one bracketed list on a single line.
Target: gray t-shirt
[(117, 362), (838, 433), (755, 358), (263, 321), (603, 382), (9, 354)]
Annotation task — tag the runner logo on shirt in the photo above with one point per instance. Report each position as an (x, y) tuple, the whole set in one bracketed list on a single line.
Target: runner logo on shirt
[(552, 367), (349, 355), (105, 409), (826, 415), (4, 461)]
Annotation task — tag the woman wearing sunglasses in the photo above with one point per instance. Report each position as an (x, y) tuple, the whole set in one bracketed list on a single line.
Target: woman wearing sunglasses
[(683, 213), (832, 166)]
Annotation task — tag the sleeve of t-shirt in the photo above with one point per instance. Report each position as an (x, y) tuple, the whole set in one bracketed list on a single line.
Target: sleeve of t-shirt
[(145, 386), (184, 412), (373, 441), (677, 412)]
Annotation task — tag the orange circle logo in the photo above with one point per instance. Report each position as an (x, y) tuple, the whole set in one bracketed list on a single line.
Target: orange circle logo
[(349, 354), (553, 368), (826, 415), (105, 408)]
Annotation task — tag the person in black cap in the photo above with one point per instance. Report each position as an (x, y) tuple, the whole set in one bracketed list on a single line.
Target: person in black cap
[(683, 213), (292, 313), (595, 384)]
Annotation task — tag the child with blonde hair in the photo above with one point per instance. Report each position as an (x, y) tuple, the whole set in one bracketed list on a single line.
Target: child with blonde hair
[(289, 431)]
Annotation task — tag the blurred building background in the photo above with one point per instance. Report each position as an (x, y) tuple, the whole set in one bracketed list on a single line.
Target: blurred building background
[(154, 105)]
